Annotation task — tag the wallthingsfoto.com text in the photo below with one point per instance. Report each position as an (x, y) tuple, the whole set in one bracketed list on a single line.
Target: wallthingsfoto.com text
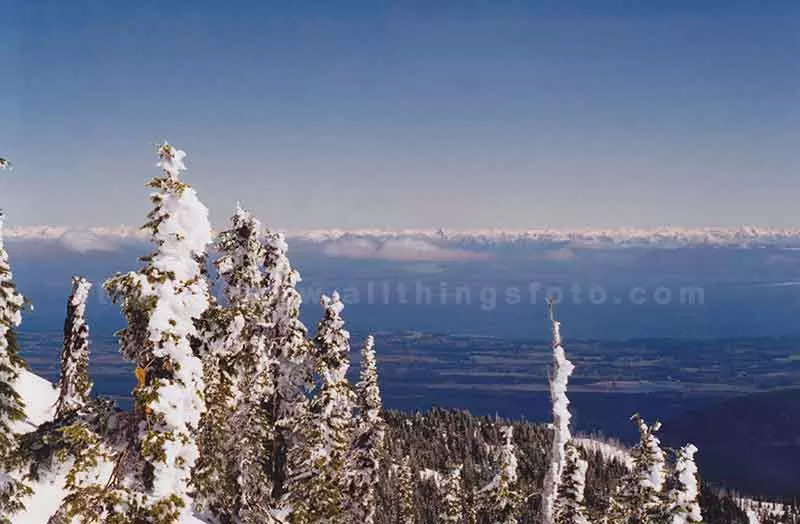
[(489, 297)]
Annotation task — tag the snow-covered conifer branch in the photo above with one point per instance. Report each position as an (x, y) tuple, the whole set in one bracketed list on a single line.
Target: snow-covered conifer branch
[(12, 406)]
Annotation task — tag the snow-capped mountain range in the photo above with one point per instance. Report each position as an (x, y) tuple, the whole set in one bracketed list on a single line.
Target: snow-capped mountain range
[(665, 237)]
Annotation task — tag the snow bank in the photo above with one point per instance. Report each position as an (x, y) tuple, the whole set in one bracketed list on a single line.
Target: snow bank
[(46, 499), (40, 398)]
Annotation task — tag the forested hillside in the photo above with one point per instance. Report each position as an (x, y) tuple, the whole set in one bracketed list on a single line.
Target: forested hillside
[(440, 439)]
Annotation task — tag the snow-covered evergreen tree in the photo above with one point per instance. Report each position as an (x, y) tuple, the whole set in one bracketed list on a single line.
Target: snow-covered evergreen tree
[(640, 495), (258, 371), (366, 447), (452, 496), (562, 369), (74, 385), (161, 303), (500, 497), (570, 507), (649, 463), (293, 360), (315, 486), (684, 507), (12, 407), (241, 261), (237, 370)]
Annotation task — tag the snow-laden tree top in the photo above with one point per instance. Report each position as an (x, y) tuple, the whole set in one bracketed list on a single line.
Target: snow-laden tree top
[(179, 223), (333, 340), (368, 389), (161, 302), (652, 474), (241, 259), (282, 280)]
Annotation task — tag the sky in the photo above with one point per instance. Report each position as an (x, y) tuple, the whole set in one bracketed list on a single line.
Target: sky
[(421, 114)]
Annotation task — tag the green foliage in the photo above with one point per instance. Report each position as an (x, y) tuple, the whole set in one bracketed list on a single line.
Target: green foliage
[(315, 492), (215, 475), (87, 500), (437, 438)]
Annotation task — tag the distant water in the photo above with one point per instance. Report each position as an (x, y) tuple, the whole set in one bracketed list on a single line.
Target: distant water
[(608, 294), (603, 413)]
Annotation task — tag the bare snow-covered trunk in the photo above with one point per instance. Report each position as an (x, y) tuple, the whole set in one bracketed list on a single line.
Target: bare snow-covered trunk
[(74, 386), (562, 369)]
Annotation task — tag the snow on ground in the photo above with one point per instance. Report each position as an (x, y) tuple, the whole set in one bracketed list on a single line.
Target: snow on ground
[(40, 397), (40, 401), (46, 499)]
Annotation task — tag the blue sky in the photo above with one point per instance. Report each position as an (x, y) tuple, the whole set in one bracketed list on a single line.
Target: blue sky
[(407, 114)]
